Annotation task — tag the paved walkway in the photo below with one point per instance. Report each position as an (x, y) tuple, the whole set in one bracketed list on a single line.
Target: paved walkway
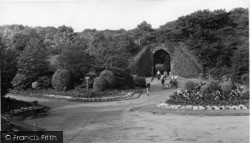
[(112, 122)]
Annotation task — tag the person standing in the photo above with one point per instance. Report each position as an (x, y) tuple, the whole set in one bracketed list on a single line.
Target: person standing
[(158, 74), (148, 87)]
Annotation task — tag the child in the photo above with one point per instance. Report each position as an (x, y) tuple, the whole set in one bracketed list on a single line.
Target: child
[(148, 87)]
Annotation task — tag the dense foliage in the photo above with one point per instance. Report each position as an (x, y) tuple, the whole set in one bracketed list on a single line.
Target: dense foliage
[(8, 67), (31, 63), (218, 39), (75, 59)]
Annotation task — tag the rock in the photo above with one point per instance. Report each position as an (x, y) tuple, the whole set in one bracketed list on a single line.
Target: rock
[(222, 107), (216, 108), (244, 108), (228, 107), (241, 106), (209, 107), (201, 107), (235, 107), (183, 108), (189, 107), (195, 107)]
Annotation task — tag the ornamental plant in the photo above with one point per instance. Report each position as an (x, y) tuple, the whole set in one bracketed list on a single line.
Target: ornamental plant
[(62, 80), (99, 84), (109, 78)]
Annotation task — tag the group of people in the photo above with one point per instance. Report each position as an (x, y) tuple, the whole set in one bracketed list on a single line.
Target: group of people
[(171, 76), (163, 78)]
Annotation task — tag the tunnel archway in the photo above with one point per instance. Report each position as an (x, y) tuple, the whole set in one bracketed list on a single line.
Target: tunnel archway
[(162, 58)]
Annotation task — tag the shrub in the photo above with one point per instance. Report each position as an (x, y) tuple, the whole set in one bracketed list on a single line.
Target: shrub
[(99, 84), (131, 81), (140, 81), (109, 78), (189, 85), (62, 80), (226, 87), (20, 82), (44, 82), (75, 59), (245, 79)]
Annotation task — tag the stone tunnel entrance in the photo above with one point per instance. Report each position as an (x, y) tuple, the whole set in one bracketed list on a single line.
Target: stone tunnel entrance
[(161, 61)]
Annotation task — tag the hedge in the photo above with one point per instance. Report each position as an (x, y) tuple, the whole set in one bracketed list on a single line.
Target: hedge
[(184, 65), (142, 63)]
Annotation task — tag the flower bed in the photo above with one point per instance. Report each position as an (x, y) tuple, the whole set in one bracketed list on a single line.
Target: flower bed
[(195, 107), (215, 98), (81, 94)]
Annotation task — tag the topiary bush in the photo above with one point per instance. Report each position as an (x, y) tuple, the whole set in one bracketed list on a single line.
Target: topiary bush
[(245, 79), (189, 85), (62, 80), (99, 84), (140, 81), (109, 78), (226, 87)]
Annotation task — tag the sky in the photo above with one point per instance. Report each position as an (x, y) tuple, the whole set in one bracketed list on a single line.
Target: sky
[(104, 14)]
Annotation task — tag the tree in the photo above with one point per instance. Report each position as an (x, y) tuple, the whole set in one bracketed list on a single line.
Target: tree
[(31, 63), (76, 60), (144, 33), (8, 67), (62, 39)]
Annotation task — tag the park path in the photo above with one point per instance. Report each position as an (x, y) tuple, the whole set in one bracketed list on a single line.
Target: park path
[(113, 122)]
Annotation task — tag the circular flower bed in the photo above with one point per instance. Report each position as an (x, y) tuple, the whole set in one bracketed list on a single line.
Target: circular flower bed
[(82, 95)]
